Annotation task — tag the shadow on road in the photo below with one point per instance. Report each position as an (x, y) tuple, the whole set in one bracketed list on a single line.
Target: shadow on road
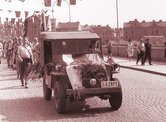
[(37, 109), (12, 87), (8, 79)]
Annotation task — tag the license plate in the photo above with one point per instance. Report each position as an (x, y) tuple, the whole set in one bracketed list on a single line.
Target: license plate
[(109, 84)]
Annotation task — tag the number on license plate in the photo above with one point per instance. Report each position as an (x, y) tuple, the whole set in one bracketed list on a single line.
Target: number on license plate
[(109, 84)]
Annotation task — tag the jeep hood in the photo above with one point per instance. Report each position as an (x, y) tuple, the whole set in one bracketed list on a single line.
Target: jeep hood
[(74, 67)]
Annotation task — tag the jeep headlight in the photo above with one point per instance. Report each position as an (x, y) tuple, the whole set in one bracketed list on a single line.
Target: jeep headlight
[(58, 68), (93, 82)]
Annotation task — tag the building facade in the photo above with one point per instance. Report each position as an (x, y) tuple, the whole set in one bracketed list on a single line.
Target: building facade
[(106, 33), (136, 30), (68, 26), (32, 27)]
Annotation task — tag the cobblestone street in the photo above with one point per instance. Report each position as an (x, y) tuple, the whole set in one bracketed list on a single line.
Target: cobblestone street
[(144, 100)]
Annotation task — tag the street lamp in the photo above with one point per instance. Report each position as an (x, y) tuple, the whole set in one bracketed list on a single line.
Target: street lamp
[(69, 10), (59, 4)]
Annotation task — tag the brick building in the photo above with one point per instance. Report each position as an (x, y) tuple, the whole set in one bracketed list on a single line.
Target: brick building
[(136, 30), (68, 26), (32, 26), (106, 33)]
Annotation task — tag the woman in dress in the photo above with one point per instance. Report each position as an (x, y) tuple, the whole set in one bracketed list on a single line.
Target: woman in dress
[(130, 49)]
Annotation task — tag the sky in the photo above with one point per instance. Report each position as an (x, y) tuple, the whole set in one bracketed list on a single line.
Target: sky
[(94, 12)]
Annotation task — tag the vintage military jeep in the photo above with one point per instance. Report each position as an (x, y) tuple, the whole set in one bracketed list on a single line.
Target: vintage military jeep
[(75, 70)]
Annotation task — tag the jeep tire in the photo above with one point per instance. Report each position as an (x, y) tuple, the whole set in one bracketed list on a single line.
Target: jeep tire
[(116, 98), (59, 97)]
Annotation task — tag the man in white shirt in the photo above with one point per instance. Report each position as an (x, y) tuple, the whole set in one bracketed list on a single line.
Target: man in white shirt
[(26, 58), (140, 52)]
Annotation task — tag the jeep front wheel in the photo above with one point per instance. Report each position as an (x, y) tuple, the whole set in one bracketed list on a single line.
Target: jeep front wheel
[(116, 98), (59, 97)]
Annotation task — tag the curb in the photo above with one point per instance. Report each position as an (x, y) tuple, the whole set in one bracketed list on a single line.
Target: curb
[(144, 70)]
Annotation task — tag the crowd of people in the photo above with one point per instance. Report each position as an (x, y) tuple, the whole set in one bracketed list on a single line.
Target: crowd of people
[(20, 53), (143, 51)]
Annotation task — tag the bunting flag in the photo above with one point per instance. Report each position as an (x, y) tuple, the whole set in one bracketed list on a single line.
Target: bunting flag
[(72, 2), (18, 13), (47, 3), (59, 2), (26, 14), (12, 20)]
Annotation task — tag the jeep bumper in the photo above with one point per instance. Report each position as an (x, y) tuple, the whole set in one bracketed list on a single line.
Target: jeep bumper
[(92, 91)]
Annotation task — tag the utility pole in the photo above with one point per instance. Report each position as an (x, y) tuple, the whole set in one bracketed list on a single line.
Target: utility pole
[(117, 33)]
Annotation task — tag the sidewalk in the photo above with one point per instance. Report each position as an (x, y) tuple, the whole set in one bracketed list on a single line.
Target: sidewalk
[(158, 68)]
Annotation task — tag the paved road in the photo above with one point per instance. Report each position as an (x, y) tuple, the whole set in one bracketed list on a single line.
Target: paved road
[(144, 100)]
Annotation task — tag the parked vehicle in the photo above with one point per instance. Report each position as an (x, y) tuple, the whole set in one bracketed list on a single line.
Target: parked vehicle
[(74, 69)]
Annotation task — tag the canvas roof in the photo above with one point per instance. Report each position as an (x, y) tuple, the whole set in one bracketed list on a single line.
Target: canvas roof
[(69, 35)]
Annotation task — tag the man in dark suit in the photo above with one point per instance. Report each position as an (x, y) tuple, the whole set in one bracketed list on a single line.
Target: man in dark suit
[(148, 49), (165, 49)]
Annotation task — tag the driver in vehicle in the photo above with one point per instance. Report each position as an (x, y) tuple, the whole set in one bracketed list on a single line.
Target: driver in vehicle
[(93, 47)]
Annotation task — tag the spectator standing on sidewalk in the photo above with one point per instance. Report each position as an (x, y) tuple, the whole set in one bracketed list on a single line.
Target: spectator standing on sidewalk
[(9, 53), (5, 49), (130, 49), (148, 49), (14, 52), (140, 52), (109, 50), (1, 51), (26, 57), (165, 49)]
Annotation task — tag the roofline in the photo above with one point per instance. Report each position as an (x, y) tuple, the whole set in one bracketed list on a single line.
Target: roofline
[(72, 35)]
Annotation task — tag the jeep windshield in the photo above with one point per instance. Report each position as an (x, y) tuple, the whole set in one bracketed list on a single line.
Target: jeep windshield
[(81, 42)]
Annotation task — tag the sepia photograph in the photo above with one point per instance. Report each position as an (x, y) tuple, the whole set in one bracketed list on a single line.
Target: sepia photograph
[(82, 61)]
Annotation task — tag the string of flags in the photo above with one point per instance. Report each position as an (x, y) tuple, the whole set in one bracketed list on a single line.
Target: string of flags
[(18, 0), (18, 13), (47, 3)]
